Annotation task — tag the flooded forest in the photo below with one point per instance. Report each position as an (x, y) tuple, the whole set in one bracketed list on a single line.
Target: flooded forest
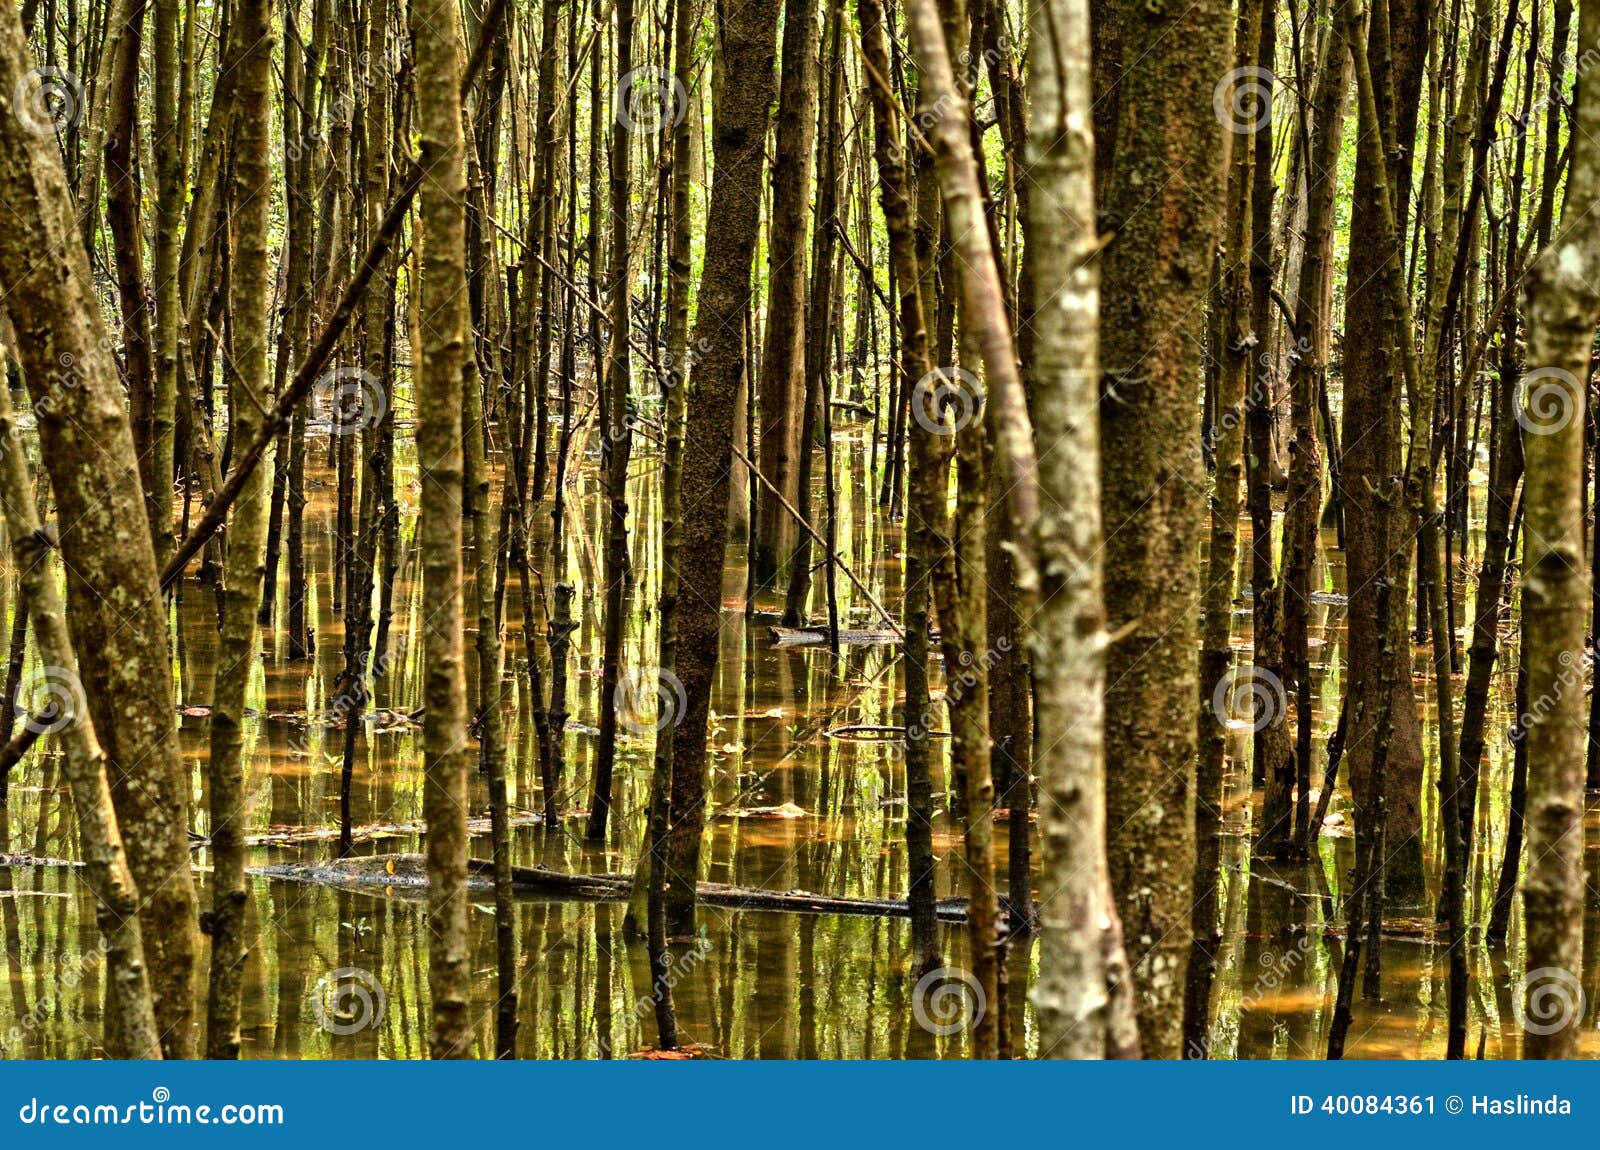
[(799, 529)]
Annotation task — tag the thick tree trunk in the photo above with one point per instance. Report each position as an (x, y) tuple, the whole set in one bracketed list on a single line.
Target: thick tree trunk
[(443, 323), (117, 614), (131, 1023), (1154, 277), (1563, 307), (745, 90), (1371, 434)]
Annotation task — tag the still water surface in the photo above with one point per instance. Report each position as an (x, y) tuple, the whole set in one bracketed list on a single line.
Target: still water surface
[(334, 973)]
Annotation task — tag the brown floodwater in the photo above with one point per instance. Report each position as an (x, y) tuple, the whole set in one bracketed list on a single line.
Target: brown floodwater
[(334, 973)]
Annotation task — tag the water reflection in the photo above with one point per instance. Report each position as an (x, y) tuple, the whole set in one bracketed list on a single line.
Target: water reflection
[(337, 974)]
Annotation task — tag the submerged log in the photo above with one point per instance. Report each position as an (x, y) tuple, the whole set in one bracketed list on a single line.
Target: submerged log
[(405, 876), (23, 862), (811, 636), (286, 836)]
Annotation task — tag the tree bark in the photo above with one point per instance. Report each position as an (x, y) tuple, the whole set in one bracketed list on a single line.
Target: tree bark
[(1371, 435), (443, 322), (747, 36), (782, 392), (1072, 995), (117, 614), (131, 1023), (1562, 309), (1154, 280), (246, 537)]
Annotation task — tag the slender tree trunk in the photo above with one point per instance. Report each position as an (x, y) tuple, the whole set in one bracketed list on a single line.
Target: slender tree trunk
[(1072, 995), (1272, 755), (913, 367), (246, 538), (820, 325), (1224, 440), (782, 394), (1307, 377), (619, 445), (124, 214), (1371, 435), (647, 910), (986, 332)]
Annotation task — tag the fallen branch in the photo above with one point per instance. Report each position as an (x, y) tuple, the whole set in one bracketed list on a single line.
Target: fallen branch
[(276, 419), (405, 874)]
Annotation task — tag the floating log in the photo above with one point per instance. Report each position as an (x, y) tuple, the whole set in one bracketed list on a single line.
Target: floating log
[(406, 876), (23, 862), (1322, 598), (865, 733), (813, 636), (286, 836)]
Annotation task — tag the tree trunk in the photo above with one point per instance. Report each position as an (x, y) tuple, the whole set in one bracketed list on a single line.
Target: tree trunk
[(443, 322), (1154, 284), (619, 445), (1072, 995), (747, 35), (1563, 307), (131, 1023), (782, 392), (117, 614), (246, 537), (1371, 436)]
